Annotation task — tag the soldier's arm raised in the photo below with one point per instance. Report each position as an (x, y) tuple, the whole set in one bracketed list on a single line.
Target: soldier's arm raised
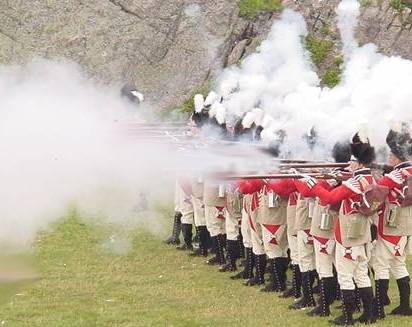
[(282, 187), (334, 196)]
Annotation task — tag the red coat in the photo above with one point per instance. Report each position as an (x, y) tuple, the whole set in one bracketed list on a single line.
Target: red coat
[(349, 193), (395, 181)]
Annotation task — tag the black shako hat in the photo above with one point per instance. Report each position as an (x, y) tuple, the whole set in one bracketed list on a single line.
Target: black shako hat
[(400, 142), (341, 152), (362, 150)]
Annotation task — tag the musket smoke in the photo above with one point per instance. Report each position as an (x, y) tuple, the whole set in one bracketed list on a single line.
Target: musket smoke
[(280, 77)]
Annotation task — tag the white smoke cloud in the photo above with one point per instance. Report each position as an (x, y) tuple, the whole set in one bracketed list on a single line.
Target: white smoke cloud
[(348, 13), (280, 77), (66, 141), (63, 139), (63, 142)]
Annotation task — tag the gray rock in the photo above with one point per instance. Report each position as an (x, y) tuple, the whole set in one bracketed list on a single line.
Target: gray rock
[(169, 48), (389, 29), (237, 52)]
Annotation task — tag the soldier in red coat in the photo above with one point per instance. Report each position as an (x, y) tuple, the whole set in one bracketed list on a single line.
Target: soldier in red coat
[(394, 226), (322, 222), (352, 232), (252, 188)]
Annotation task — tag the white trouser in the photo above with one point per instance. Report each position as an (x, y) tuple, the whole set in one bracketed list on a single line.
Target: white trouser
[(324, 257), (215, 220), (306, 252), (199, 212), (384, 261), (232, 227), (352, 266), (245, 228)]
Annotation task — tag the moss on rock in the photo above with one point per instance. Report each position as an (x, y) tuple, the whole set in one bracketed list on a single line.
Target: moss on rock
[(252, 8)]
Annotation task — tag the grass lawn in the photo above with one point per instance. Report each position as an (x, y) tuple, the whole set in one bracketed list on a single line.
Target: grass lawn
[(88, 281)]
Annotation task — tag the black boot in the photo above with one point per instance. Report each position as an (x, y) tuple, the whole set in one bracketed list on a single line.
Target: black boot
[(232, 256), (196, 238), (220, 249), (174, 238), (273, 284), (278, 276), (358, 303), (269, 266), (242, 253), (316, 286), (260, 264), (247, 273), (214, 260), (366, 295), (295, 290), (381, 295), (210, 245), (219, 258), (326, 297), (203, 243), (187, 236), (348, 308), (281, 265), (404, 288), (307, 299), (338, 295)]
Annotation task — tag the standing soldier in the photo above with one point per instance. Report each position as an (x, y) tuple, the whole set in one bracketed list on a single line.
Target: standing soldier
[(323, 220), (272, 218), (199, 117), (200, 217), (177, 223), (295, 290), (185, 207), (247, 272), (352, 232), (394, 225), (215, 202), (253, 188), (306, 255), (233, 214)]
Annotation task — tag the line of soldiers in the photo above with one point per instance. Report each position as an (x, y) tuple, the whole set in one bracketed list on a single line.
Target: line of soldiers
[(342, 231)]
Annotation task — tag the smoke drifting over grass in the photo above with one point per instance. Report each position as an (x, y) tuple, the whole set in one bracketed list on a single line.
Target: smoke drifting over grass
[(63, 144)]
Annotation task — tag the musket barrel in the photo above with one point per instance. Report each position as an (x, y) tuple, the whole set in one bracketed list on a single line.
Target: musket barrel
[(315, 165)]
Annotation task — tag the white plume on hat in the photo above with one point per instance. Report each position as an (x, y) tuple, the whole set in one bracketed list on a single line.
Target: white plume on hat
[(213, 109), (199, 101), (228, 86), (248, 120), (138, 95), (268, 135), (259, 114), (363, 133), (211, 98), (220, 113), (267, 121)]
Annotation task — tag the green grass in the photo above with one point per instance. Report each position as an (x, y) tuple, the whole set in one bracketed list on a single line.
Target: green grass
[(252, 8), (397, 4), (84, 284), (319, 49)]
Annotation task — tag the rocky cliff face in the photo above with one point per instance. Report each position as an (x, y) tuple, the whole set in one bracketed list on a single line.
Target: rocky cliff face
[(170, 49)]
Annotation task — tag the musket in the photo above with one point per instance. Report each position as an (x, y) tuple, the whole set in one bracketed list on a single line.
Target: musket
[(153, 124), (314, 165), (280, 176)]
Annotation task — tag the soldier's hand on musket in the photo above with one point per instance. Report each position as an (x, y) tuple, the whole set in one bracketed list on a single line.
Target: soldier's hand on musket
[(309, 181), (294, 171)]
